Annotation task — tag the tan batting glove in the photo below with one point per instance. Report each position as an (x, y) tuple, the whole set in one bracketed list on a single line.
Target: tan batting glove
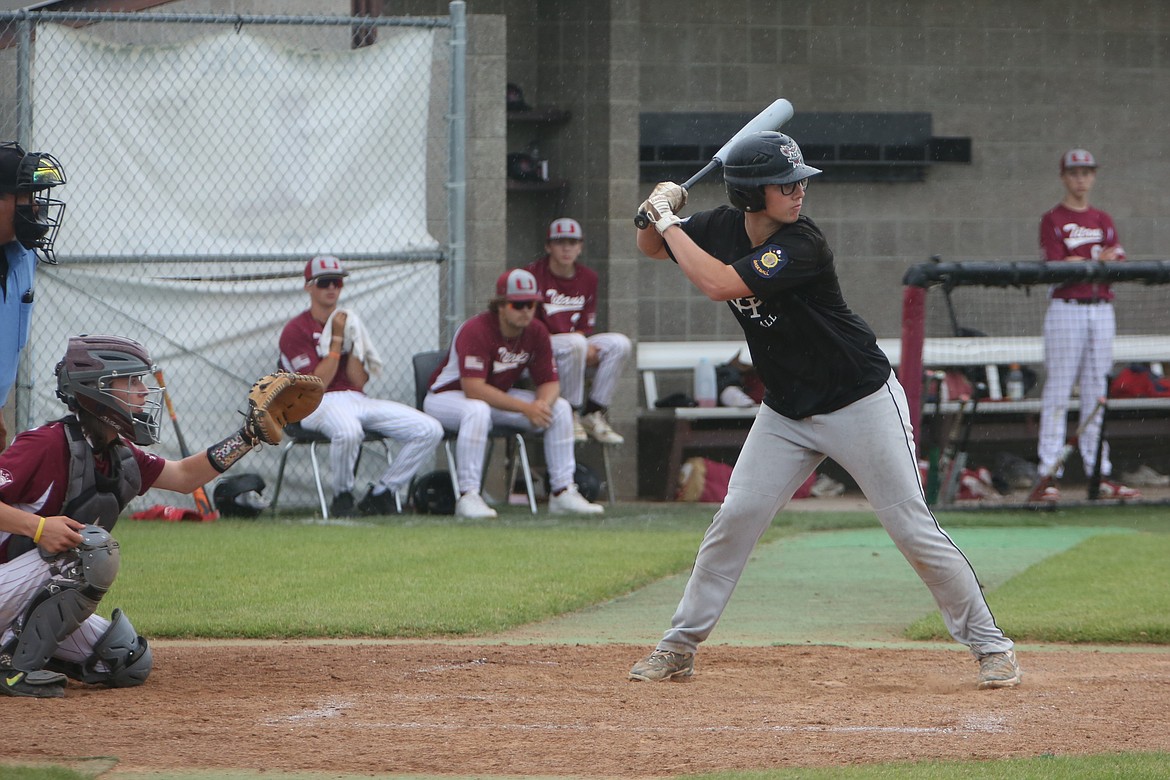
[(675, 196), (659, 210)]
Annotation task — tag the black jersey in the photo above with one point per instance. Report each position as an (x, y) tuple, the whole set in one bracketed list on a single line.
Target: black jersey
[(813, 354)]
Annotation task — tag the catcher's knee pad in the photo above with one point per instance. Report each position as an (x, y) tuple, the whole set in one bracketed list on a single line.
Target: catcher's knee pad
[(81, 577), (121, 658)]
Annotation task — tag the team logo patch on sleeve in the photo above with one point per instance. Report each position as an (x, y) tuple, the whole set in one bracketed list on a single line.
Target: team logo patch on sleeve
[(769, 260)]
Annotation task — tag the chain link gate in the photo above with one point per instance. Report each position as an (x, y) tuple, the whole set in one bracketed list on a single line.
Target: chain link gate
[(208, 158)]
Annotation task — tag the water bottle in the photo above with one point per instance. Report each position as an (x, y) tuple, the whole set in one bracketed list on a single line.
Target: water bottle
[(705, 385), (1015, 383)]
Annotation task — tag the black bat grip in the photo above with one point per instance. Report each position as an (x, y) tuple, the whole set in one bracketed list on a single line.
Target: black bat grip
[(642, 221)]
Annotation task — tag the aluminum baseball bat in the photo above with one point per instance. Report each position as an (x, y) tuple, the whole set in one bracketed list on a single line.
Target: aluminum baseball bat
[(771, 118)]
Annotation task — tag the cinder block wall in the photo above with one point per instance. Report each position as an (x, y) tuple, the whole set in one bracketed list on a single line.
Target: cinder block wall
[(1023, 80)]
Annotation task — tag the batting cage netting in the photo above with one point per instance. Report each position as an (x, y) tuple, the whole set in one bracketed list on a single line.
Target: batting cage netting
[(209, 157), (981, 366)]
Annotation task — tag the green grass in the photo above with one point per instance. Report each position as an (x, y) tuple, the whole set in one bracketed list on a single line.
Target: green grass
[(1130, 766), (1107, 589), (400, 577)]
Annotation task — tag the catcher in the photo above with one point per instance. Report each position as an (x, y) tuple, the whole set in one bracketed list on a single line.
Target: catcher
[(62, 487)]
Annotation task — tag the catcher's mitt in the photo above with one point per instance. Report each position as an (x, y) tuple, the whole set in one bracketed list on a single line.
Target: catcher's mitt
[(279, 399)]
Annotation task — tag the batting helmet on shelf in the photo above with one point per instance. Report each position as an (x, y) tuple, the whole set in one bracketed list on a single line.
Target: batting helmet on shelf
[(85, 378), (433, 494), (766, 157)]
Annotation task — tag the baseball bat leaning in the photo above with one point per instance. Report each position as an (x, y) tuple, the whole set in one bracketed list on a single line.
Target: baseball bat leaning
[(202, 503), (771, 118), (958, 460), (1095, 477), (1071, 446)]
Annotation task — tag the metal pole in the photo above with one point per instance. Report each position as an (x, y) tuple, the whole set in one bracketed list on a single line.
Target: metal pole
[(457, 176), (25, 381)]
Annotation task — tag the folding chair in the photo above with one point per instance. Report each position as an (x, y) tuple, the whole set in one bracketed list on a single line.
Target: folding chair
[(295, 435), (425, 364)]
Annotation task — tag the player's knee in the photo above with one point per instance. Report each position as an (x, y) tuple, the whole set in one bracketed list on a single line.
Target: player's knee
[(621, 346), (432, 430)]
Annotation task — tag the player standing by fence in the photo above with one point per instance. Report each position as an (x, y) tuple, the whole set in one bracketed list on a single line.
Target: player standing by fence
[(1078, 329)]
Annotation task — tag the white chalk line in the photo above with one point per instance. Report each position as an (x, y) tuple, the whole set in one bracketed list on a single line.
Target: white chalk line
[(990, 724)]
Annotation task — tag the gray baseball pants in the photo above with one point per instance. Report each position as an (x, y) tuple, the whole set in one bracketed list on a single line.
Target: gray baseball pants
[(872, 440)]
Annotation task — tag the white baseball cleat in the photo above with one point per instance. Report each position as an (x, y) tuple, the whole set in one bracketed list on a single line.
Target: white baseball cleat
[(472, 506), (571, 502), (599, 428)]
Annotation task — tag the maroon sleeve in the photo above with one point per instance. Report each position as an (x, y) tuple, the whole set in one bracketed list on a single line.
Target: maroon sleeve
[(34, 470)]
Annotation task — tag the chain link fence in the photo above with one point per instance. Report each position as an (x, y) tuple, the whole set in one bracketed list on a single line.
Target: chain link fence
[(208, 158)]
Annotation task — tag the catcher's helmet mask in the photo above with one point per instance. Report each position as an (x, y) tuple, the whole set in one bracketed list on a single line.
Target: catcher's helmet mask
[(766, 157), (22, 173), (85, 379)]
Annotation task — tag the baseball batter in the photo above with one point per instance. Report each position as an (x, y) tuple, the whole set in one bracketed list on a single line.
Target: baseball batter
[(473, 390), (569, 311), (62, 487), (1078, 328), (830, 392), (326, 340)]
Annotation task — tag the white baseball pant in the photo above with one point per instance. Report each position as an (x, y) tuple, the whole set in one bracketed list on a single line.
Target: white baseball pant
[(873, 441), (345, 415), (23, 578), (474, 419), (570, 351), (1078, 349)]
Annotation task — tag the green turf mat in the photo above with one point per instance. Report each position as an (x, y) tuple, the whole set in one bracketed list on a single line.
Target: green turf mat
[(848, 587)]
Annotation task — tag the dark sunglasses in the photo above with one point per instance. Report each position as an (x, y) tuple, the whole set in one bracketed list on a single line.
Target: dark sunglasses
[(522, 305), (332, 281), (788, 189)]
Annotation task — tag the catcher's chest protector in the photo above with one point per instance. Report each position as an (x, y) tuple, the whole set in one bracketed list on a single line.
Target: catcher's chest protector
[(84, 502)]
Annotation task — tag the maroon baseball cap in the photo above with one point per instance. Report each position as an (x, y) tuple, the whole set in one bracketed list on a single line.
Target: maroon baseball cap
[(518, 285), (324, 266)]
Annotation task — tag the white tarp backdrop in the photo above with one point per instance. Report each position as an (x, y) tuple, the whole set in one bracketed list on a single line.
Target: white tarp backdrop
[(234, 145), (209, 361)]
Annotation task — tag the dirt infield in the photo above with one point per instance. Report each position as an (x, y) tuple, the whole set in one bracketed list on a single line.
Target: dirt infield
[(372, 708)]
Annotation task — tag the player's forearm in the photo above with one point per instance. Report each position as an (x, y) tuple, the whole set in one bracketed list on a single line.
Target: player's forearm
[(493, 396), (184, 476), (717, 281), (548, 393)]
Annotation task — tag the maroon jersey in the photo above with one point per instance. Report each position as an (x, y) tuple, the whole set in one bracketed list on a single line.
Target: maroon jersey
[(1068, 233), (479, 349), (34, 470), (570, 305), (298, 351)]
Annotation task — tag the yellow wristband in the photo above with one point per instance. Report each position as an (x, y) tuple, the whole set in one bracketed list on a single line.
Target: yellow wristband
[(40, 529), (335, 354)]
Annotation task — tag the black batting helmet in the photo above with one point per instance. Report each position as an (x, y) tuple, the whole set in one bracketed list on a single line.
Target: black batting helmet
[(84, 382), (766, 157)]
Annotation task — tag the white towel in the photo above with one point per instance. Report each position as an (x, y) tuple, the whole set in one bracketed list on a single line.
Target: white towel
[(356, 341)]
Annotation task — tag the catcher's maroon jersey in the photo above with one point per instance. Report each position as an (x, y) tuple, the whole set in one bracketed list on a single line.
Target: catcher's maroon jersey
[(298, 351), (479, 349), (34, 470), (1067, 233), (569, 305)]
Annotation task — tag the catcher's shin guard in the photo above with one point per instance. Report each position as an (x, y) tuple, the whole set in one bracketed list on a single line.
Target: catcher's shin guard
[(82, 577), (121, 658)]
